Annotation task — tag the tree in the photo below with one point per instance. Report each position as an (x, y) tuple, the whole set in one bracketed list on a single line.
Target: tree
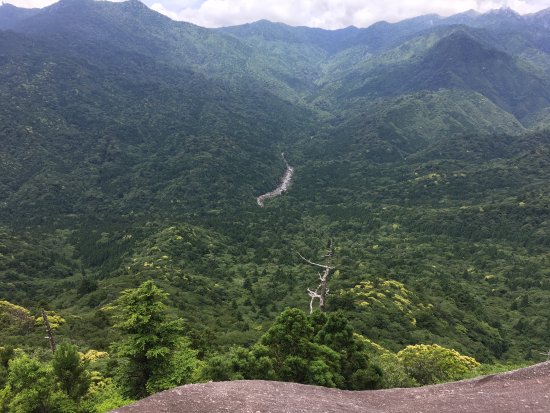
[(6, 354), (394, 373), (310, 349), (153, 352), (430, 364), (358, 372), (241, 364), (70, 371), (31, 388), (14, 319), (296, 357)]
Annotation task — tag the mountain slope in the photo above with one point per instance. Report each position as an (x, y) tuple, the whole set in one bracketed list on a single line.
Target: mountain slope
[(458, 61), (101, 115), (10, 15), (96, 28), (410, 122)]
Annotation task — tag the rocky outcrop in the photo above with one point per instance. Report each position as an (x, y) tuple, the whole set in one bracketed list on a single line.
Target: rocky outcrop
[(524, 390)]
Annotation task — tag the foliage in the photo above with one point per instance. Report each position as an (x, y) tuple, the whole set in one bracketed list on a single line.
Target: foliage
[(431, 364), (154, 356), (14, 317), (103, 396), (381, 294), (55, 320), (6, 354), (317, 349), (296, 356), (70, 371), (394, 373), (93, 355), (31, 388)]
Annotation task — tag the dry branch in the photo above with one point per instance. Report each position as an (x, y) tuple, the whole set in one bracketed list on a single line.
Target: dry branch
[(322, 290)]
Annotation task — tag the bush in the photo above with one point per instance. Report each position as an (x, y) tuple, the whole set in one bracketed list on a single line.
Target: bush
[(31, 388), (430, 364)]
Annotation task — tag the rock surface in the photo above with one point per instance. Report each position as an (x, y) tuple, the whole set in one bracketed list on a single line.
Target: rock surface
[(524, 390)]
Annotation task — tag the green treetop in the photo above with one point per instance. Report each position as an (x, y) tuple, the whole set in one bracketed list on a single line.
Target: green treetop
[(155, 355)]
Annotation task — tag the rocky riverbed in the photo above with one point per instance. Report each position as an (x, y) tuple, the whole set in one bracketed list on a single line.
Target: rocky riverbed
[(283, 186)]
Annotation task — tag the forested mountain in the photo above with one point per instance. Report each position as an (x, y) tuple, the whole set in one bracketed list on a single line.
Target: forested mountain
[(133, 148)]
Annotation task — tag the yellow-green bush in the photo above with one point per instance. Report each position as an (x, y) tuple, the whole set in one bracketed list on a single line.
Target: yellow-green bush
[(430, 364)]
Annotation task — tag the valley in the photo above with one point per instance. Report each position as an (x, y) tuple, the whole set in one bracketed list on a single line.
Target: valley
[(133, 149)]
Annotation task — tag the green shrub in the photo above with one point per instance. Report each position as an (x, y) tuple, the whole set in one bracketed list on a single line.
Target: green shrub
[(430, 364)]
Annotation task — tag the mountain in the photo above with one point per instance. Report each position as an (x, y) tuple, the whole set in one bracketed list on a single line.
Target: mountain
[(458, 60), (10, 15), (134, 147), (329, 41), (542, 18), (97, 96)]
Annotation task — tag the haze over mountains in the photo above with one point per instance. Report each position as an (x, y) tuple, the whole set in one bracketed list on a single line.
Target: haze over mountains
[(420, 147)]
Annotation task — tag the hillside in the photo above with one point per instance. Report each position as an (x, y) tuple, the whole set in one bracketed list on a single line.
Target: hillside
[(521, 390), (133, 147), (457, 61)]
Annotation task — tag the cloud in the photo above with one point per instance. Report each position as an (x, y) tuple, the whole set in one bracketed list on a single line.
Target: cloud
[(330, 14), (31, 4)]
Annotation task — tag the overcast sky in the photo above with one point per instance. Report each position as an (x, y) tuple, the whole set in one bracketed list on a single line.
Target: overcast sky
[(329, 14)]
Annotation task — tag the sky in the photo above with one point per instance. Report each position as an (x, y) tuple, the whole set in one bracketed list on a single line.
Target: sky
[(328, 14)]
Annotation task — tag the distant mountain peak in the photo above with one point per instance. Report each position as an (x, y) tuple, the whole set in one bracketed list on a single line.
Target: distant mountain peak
[(9, 7), (10, 15), (66, 2), (470, 12), (542, 14), (504, 12), (136, 3), (268, 23)]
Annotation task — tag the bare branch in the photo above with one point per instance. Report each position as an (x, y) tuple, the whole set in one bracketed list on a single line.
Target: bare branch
[(313, 293), (49, 331), (322, 291), (314, 263)]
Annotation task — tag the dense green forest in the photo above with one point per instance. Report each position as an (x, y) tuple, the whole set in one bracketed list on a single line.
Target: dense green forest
[(133, 148)]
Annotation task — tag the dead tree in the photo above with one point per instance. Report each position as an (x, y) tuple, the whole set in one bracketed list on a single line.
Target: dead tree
[(322, 290), (49, 331)]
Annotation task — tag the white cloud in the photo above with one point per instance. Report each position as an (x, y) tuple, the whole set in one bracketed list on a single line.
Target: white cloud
[(316, 13), (30, 4), (159, 7), (334, 13)]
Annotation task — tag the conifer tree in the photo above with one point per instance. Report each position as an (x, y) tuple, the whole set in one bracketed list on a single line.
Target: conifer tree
[(154, 354), (70, 371)]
